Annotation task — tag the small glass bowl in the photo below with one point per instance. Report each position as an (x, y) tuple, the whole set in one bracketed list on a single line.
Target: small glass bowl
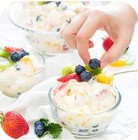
[(41, 40), (85, 125), (15, 82)]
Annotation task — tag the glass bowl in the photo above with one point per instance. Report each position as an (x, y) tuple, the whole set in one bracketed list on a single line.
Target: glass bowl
[(21, 77), (41, 24), (85, 125)]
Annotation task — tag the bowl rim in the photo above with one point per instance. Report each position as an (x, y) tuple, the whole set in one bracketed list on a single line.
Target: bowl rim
[(97, 113), (11, 11), (43, 59)]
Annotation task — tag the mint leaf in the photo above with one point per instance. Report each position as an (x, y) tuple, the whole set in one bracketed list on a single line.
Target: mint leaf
[(51, 128), (55, 130), (45, 121), (93, 71)]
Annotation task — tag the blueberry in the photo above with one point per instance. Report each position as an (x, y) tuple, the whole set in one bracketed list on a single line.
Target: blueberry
[(38, 123), (16, 56), (85, 76), (24, 53), (79, 69), (58, 3), (39, 18), (94, 63), (58, 29), (39, 128)]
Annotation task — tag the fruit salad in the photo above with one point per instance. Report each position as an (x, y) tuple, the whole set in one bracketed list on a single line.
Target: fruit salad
[(46, 19), (19, 70), (85, 100), (82, 88)]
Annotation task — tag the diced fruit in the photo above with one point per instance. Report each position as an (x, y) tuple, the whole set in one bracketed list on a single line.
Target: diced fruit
[(12, 49), (69, 77), (85, 76), (93, 71), (14, 124), (5, 63), (26, 59), (105, 78), (44, 127), (79, 69), (4, 53), (94, 63), (119, 63), (107, 43), (68, 70)]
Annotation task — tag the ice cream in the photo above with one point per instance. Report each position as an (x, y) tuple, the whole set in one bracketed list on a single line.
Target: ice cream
[(19, 71)]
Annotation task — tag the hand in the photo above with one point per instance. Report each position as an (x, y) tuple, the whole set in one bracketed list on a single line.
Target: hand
[(117, 19)]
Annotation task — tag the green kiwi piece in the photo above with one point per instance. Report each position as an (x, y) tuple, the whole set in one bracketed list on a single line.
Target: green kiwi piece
[(5, 63), (68, 70), (4, 53)]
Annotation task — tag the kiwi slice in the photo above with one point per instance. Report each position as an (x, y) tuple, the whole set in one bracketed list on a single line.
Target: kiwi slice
[(93, 71), (4, 53), (68, 70), (5, 63)]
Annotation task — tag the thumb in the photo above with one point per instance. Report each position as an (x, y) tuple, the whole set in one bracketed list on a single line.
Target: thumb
[(113, 53)]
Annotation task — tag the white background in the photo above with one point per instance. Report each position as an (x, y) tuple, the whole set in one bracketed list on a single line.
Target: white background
[(134, 135)]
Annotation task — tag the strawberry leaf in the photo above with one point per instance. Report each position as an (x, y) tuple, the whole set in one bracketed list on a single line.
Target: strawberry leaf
[(55, 130)]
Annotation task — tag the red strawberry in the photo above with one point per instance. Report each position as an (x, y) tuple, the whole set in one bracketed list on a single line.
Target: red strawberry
[(107, 43), (69, 77), (14, 124), (12, 49)]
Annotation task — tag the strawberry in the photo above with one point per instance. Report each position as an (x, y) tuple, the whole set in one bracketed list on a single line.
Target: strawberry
[(14, 124), (12, 49), (69, 77), (107, 43)]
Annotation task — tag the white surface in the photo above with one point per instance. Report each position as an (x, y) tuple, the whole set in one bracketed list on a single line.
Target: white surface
[(34, 104)]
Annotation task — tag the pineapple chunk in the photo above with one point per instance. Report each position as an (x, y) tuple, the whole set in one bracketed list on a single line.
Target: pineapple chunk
[(105, 78), (119, 63)]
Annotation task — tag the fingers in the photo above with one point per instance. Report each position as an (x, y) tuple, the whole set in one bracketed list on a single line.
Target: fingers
[(69, 31), (80, 30), (117, 49)]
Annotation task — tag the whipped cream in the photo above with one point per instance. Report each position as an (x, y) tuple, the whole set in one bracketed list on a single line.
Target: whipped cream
[(21, 76), (85, 97)]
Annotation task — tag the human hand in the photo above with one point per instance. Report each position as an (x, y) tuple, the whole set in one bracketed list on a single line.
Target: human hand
[(117, 19)]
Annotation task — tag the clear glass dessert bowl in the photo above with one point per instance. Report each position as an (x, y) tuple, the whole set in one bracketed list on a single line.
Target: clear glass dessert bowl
[(84, 125), (19, 76), (41, 23)]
